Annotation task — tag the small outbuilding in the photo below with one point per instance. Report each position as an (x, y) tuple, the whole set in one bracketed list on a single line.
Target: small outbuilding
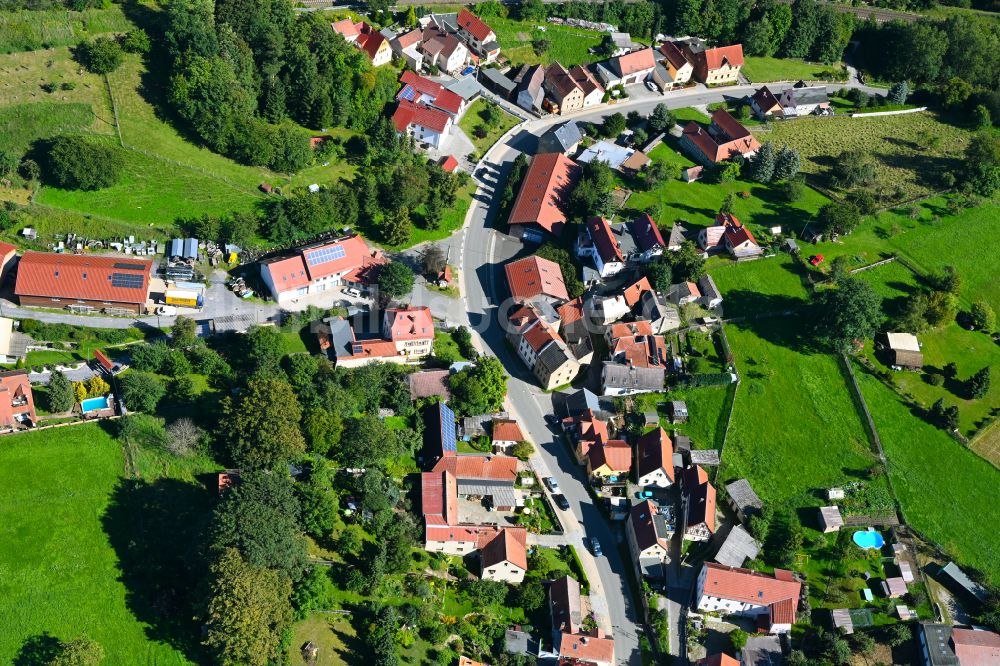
[(830, 519), (678, 411), (904, 351), (894, 587), (835, 494), (743, 499), (842, 620)]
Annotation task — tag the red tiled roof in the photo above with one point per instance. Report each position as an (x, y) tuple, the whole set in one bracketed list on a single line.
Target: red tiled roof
[(732, 127), (409, 38), (654, 451), (587, 649), (587, 82), (438, 95), (370, 40), (318, 261), (507, 431), (534, 276), (604, 239), (347, 28), (448, 163), (673, 54), (409, 323), (571, 311), (626, 329), (508, 546), (715, 150), (367, 272), (646, 233), (438, 498), (559, 81), (633, 293), (538, 335), (103, 360), (735, 232), (547, 180), (83, 277), (976, 648), (714, 58), (754, 588), (407, 113), (719, 659), (474, 25), (615, 453), (453, 533), (643, 527), (497, 468), (630, 63), (590, 430), (701, 496), (6, 249), (371, 349), (640, 351)]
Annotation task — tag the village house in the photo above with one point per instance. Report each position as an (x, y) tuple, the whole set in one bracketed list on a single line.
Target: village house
[(684, 293), (528, 91), (710, 295), (716, 66), (505, 434), (633, 293), (627, 69), (83, 282), (424, 123), (366, 38), (538, 207), (800, 100), (648, 540), (773, 600), (567, 613), (407, 46), (654, 460), (505, 557), (562, 89), (312, 269), (593, 92), (764, 104), (421, 90), (541, 348), (586, 430), (610, 462), (598, 243), (698, 504), (533, 277), (662, 316), (673, 70), (443, 50), (729, 234), (724, 138), (620, 379), (563, 138), (407, 337), (17, 402), (479, 37)]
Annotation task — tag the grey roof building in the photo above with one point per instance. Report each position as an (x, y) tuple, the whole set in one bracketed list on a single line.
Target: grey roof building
[(935, 645), (467, 88), (704, 457), (562, 139), (964, 583), (495, 81), (520, 642), (743, 499), (621, 379), (738, 547), (678, 234)]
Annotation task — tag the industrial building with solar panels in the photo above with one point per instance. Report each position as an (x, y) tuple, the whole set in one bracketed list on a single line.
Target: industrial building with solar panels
[(83, 283), (315, 268)]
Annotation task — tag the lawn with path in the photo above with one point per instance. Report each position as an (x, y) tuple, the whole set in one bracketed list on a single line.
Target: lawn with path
[(62, 574), (943, 487)]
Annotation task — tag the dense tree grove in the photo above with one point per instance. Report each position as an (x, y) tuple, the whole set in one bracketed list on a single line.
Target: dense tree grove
[(82, 163)]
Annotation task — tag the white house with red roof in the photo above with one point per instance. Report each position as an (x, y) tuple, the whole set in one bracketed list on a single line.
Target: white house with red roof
[(347, 29), (723, 139), (424, 123), (648, 539), (535, 277), (505, 556), (505, 433), (538, 208), (421, 90), (443, 50), (541, 347), (366, 38), (598, 243), (407, 337), (655, 459), (479, 37), (407, 47), (316, 268), (729, 234), (716, 66), (773, 600), (627, 69)]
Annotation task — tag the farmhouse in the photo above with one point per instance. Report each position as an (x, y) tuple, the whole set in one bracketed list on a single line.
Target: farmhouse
[(407, 337), (422, 122), (803, 100), (729, 234), (562, 89), (315, 268), (478, 36), (83, 282), (528, 91), (724, 138), (674, 69), (538, 207), (717, 66), (773, 600), (648, 540), (17, 403), (593, 92), (626, 69), (541, 348), (533, 277), (698, 504), (743, 500)]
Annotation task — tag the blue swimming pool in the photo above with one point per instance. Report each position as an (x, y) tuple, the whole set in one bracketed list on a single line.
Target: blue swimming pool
[(94, 404), (869, 539)]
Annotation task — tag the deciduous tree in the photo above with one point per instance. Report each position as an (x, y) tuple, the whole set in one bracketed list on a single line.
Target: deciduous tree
[(395, 280), (260, 428), (141, 391), (852, 311)]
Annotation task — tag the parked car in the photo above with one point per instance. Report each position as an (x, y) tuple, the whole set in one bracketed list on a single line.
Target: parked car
[(652, 86), (166, 310), (351, 291), (595, 546), (561, 502), (551, 484)]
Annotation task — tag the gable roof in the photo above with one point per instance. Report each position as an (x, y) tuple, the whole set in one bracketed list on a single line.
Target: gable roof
[(438, 498), (428, 383), (546, 182), (765, 99), (633, 293), (407, 113), (535, 276), (604, 239), (409, 323), (494, 468), (647, 234), (83, 277), (585, 79), (507, 546), (571, 311), (673, 55), (637, 61), (347, 28), (418, 89), (715, 58), (507, 430), (586, 649), (565, 606), (700, 497), (756, 588), (976, 648), (473, 25), (743, 496), (654, 451), (335, 256), (626, 329), (615, 453), (648, 526), (738, 547), (370, 40), (408, 39), (725, 121)]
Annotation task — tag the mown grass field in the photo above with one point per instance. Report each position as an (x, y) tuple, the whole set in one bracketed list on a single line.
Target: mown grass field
[(705, 407), (567, 44), (765, 286), (695, 204), (795, 428), (473, 118), (29, 30), (61, 573), (905, 166), (763, 70), (946, 491)]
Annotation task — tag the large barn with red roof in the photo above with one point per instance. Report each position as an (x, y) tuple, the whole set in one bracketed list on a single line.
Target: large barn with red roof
[(773, 600), (83, 281), (538, 209)]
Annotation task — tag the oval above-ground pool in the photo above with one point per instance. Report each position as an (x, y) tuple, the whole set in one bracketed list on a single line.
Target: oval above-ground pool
[(869, 539)]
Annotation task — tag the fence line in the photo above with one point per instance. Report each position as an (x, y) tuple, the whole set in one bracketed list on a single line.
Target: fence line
[(875, 265), (888, 113), (114, 110)]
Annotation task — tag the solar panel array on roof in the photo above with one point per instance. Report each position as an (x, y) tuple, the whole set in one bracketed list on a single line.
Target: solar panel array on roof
[(449, 439), (407, 93), (127, 280), (325, 254), (125, 266)]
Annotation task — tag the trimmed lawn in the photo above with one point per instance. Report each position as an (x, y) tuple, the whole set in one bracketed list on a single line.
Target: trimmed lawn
[(944, 488), (763, 70), (904, 167), (764, 286), (473, 117), (705, 408), (61, 573), (567, 44), (795, 427), (333, 634)]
